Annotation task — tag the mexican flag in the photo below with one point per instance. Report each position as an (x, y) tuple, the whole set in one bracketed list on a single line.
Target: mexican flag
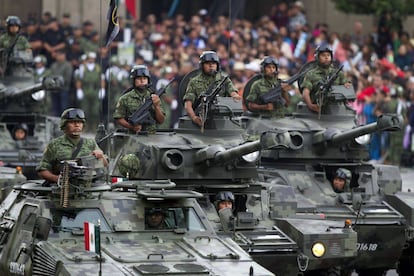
[(92, 237)]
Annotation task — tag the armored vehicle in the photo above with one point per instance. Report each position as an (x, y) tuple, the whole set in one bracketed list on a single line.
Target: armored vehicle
[(220, 158), (22, 106), (371, 203), (138, 228)]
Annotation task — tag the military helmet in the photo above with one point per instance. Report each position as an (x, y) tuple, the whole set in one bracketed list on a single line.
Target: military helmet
[(209, 56), (40, 59), (22, 126), (72, 114), (324, 47), (269, 60), (344, 174), (13, 20), (155, 210), (129, 165), (139, 71)]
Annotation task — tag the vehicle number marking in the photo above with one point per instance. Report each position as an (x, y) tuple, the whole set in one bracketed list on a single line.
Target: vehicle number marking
[(367, 246)]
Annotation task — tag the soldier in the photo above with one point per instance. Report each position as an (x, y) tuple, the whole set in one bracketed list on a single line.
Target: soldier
[(269, 80), (341, 180), (155, 219), (133, 99), (20, 132), (313, 78), (210, 72), (68, 146), (12, 38), (224, 199), (90, 85), (12, 42)]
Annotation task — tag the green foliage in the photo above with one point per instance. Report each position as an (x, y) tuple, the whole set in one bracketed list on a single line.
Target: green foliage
[(399, 8)]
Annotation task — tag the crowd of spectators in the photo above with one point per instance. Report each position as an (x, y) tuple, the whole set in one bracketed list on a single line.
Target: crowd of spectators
[(379, 62)]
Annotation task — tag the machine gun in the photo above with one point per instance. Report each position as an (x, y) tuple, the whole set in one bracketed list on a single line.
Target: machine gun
[(325, 87), (142, 114), (275, 94), (206, 99)]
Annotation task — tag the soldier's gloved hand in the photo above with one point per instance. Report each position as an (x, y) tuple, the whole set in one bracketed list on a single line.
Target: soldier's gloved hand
[(101, 93), (79, 94), (155, 99)]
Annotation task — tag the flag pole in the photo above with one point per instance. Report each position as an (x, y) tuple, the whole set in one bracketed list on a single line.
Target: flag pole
[(99, 247)]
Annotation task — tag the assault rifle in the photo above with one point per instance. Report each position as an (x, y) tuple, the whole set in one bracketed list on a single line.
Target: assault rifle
[(206, 99), (142, 114), (275, 94), (325, 87)]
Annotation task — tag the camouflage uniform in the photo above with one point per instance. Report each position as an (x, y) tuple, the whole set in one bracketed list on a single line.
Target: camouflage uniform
[(91, 83), (261, 87), (130, 102), (200, 83), (7, 40), (396, 149), (313, 78), (60, 149)]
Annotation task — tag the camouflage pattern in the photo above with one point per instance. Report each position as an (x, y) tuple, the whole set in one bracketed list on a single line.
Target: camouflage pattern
[(199, 84), (130, 102), (90, 84), (7, 40), (261, 87), (60, 149), (395, 148), (127, 247), (224, 159), (317, 74), (308, 200)]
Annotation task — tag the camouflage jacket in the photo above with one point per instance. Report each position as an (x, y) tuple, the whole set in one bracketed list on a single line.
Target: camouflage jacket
[(60, 149), (261, 87), (130, 102), (315, 76), (200, 83), (7, 40)]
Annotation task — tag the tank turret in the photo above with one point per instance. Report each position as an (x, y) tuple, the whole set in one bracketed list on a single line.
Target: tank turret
[(331, 141)]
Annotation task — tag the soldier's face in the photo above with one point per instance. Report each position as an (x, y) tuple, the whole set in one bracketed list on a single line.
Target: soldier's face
[(225, 204), (339, 183), (154, 220), (210, 67), (74, 128), (14, 29), (325, 58), (141, 81), (270, 70)]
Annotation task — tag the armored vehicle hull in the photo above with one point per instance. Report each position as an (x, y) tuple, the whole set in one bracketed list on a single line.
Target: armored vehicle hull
[(45, 237)]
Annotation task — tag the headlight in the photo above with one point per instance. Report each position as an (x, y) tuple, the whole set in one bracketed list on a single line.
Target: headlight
[(364, 139), (318, 249), (251, 157), (39, 95)]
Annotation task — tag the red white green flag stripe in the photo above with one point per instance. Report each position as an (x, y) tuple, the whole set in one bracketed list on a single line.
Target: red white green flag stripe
[(92, 237)]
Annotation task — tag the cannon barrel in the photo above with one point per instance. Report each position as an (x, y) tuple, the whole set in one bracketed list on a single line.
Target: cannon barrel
[(218, 154), (385, 122), (48, 83)]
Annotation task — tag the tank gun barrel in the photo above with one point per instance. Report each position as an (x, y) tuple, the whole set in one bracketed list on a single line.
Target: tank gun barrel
[(217, 154), (385, 122), (48, 83)]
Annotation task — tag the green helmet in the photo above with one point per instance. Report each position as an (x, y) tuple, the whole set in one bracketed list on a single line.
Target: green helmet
[(129, 165), (72, 114)]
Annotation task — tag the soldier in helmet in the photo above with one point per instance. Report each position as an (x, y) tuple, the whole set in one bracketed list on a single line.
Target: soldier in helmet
[(323, 69), (269, 71), (12, 38), (224, 199), (20, 132), (12, 41), (341, 180), (155, 218), (134, 98), (210, 72), (69, 146)]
